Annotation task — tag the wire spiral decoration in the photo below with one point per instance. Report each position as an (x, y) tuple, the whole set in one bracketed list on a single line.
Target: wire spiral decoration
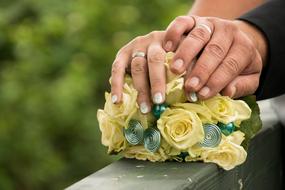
[(213, 135), (134, 133), (152, 139)]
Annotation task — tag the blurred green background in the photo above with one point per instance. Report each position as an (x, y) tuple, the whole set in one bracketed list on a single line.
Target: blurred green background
[(55, 60)]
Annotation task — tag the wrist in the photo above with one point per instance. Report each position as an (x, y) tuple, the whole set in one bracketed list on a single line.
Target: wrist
[(256, 36)]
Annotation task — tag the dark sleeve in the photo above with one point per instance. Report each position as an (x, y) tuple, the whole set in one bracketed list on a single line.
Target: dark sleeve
[(270, 19)]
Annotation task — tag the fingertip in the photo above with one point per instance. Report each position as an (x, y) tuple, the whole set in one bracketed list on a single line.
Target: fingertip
[(204, 93), (145, 107), (115, 98), (116, 91), (192, 83), (168, 45), (177, 66), (158, 98), (192, 97)]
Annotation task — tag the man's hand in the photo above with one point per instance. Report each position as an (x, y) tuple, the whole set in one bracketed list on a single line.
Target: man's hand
[(229, 60), (230, 55)]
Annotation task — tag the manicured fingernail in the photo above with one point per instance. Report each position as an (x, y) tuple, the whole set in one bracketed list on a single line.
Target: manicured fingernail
[(114, 99), (168, 45), (192, 97), (193, 82), (177, 64), (157, 98), (143, 107), (204, 91)]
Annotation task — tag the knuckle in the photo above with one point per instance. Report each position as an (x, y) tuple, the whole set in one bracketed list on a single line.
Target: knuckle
[(154, 34), (231, 66), (121, 51), (180, 19), (201, 70), (215, 82), (200, 34), (213, 20), (138, 67), (216, 50), (173, 29), (117, 68), (229, 26), (174, 33), (156, 83), (139, 40), (155, 58), (142, 92)]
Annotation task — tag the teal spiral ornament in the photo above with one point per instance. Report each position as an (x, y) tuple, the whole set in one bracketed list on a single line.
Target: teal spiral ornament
[(213, 135), (152, 139), (227, 129), (158, 109), (134, 133)]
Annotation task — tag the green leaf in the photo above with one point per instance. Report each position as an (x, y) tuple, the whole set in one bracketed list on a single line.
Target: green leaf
[(252, 125)]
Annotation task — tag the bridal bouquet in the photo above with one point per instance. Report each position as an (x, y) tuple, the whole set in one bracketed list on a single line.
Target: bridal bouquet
[(216, 130)]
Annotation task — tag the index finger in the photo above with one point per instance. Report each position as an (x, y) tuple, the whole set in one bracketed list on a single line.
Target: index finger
[(192, 45), (175, 31), (117, 77)]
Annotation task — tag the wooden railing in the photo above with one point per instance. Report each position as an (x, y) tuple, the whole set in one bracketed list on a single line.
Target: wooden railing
[(262, 170)]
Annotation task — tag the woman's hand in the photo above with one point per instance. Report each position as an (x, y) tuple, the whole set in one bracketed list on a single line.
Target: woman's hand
[(145, 57), (230, 52)]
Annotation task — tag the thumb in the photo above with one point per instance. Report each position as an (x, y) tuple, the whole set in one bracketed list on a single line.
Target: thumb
[(242, 85)]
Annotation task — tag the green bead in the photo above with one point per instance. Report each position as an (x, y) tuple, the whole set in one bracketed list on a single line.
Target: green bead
[(158, 109), (227, 129)]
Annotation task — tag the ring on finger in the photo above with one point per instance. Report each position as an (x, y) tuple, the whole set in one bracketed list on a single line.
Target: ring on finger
[(138, 54), (206, 27)]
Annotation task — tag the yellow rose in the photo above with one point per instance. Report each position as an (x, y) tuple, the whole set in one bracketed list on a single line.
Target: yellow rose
[(169, 75), (226, 110), (175, 92), (124, 109), (168, 149), (202, 111), (112, 132), (140, 153), (227, 155), (236, 137), (194, 153), (228, 150), (180, 128)]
